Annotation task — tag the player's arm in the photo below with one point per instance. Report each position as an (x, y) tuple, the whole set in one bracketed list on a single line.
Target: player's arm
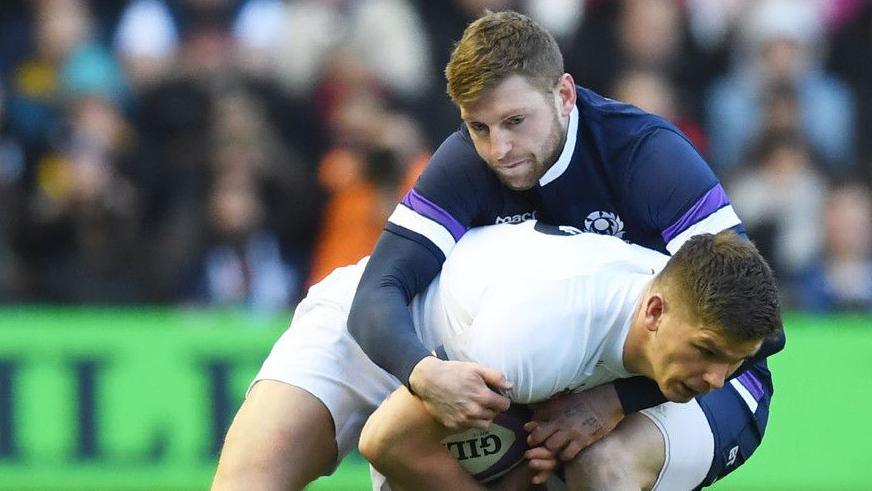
[(456, 393), (403, 442), (379, 320), (406, 258)]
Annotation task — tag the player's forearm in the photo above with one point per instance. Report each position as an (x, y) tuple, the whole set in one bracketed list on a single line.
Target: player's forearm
[(402, 442), (380, 320), (382, 326)]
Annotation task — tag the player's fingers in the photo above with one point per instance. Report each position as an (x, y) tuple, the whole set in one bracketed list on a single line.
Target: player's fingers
[(494, 378), (494, 402), (571, 450), (451, 423), (539, 453), (542, 464), (481, 424), (557, 441), (539, 477), (540, 433), (481, 412), (542, 469)]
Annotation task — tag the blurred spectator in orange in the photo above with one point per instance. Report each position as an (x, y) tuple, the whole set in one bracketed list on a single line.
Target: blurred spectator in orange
[(779, 196), (841, 278), (780, 41), (380, 157)]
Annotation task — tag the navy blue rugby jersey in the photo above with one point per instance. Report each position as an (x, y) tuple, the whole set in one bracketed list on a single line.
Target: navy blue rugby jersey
[(622, 172)]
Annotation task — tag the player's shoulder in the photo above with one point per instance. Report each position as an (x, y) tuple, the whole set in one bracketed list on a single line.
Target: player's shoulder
[(613, 122), (456, 151), (455, 165)]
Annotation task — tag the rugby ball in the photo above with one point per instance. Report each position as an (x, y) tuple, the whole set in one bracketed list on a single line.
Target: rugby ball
[(488, 454)]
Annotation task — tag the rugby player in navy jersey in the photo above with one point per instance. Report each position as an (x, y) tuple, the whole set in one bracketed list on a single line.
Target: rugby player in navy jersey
[(532, 145)]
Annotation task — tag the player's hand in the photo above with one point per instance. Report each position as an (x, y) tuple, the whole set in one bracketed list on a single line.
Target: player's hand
[(459, 394), (542, 462), (568, 423)]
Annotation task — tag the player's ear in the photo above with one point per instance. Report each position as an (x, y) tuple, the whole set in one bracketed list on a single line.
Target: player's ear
[(654, 308), (566, 94)]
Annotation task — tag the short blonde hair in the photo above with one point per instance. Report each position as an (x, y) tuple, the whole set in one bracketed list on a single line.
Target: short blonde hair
[(497, 46), (722, 280)]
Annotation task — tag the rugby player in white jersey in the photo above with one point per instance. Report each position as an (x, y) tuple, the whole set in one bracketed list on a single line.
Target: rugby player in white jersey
[(550, 310), (563, 314)]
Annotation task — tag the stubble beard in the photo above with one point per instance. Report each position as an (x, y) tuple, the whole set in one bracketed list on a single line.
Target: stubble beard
[(551, 148), (556, 140)]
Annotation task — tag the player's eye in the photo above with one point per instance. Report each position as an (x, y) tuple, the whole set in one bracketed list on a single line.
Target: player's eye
[(477, 127), (706, 352), (515, 121)]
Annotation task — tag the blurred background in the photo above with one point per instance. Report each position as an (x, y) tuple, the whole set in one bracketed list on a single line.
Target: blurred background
[(174, 174)]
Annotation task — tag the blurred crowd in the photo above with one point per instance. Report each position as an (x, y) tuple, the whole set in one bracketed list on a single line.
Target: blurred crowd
[(232, 152)]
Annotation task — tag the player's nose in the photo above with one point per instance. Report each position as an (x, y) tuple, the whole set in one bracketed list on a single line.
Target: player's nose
[(716, 375), (500, 145)]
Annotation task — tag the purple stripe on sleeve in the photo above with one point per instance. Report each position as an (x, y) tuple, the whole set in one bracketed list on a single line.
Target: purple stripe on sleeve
[(752, 384), (712, 201), (432, 211)]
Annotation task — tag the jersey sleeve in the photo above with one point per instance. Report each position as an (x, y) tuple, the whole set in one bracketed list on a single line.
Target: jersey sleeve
[(419, 235), (452, 194), (671, 189), (379, 320)]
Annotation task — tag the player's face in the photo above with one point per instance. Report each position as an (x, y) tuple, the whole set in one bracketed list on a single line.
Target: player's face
[(689, 359), (519, 130)]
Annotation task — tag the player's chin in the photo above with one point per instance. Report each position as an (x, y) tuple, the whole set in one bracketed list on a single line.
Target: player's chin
[(678, 392), (517, 181)]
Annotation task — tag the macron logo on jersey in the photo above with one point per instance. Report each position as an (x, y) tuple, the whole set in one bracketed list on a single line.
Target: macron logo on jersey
[(521, 217)]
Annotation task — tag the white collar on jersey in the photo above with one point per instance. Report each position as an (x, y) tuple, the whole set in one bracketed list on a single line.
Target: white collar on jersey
[(562, 163)]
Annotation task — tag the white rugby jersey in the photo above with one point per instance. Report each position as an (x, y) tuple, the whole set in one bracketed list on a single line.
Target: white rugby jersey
[(548, 307)]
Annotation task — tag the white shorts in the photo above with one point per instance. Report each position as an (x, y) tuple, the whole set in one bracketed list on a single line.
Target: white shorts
[(318, 355), (688, 441)]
